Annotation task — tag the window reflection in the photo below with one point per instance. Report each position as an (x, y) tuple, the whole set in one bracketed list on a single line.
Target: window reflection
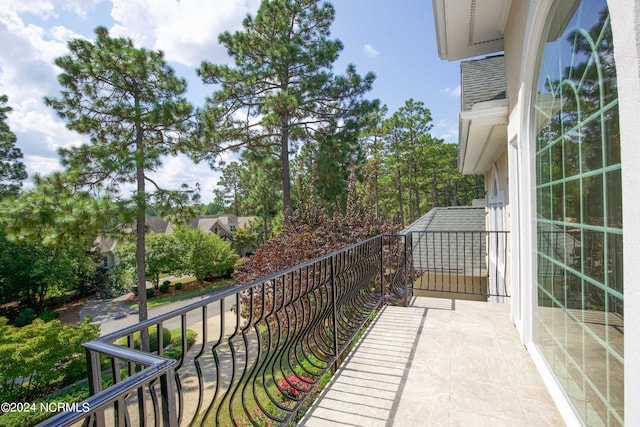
[(579, 211)]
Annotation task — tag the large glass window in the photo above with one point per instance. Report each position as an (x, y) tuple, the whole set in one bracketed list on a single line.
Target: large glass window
[(579, 211)]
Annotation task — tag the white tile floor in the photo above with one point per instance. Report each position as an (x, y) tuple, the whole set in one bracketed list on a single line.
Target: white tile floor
[(438, 362)]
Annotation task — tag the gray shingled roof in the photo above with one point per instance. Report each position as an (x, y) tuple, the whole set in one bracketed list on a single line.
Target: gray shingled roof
[(156, 224), (450, 239), (483, 80), (557, 243), (452, 218)]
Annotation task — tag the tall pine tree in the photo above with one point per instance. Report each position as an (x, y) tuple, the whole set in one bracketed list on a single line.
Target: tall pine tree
[(281, 89), (12, 170), (131, 104)]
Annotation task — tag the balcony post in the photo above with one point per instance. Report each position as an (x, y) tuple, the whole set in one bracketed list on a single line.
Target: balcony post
[(336, 345), (169, 410), (382, 267), (95, 383), (408, 265)]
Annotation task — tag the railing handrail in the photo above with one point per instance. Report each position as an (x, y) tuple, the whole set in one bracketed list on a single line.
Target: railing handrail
[(156, 367), (224, 293), (153, 367), (454, 231)]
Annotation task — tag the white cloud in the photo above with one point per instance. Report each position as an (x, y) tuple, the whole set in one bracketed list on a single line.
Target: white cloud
[(40, 165), (34, 32), (187, 31), (43, 8), (27, 74), (177, 170), (452, 91), (63, 34), (48, 9), (370, 51), (79, 7), (446, 131)]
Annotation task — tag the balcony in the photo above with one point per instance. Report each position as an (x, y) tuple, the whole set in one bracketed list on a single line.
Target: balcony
[(454, 363), (337, 340)]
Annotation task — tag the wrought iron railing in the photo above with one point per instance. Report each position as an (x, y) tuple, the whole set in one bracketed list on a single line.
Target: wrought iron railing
[(263, 350), (471, 263)]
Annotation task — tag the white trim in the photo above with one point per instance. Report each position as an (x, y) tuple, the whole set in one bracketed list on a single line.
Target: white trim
[(502, 21), (477, 141), (532, 47), (497, 262), (441, 28), (514, 225), (555, 390), (533, 43)]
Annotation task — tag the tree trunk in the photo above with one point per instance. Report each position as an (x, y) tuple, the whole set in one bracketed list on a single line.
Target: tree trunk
[(284, 154), (400, 198), (235, 201), (266, 230), (434, 185), (377, 196), (411, 186), (455, 194), (418, 203), (140, 233)]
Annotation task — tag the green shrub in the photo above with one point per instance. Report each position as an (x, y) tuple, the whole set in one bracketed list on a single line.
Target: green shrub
[(134, 289), (164, 288), (48, 316), (153, 339), (175, 352), (166, 282), (177, 286), (150, 292), (205, 255), (74, 394), (41, 357), (25, 317)]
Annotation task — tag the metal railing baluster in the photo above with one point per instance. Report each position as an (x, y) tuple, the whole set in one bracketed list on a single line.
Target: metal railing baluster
[(291, 328)]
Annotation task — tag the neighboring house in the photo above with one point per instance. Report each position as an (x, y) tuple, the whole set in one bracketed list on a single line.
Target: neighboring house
[(106, 246), (157, 225), (449, 247), (550, 119), (222, 225)]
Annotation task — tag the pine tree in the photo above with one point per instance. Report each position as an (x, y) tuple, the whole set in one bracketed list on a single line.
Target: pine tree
[(12, 170), (131, 104), (282, 89)]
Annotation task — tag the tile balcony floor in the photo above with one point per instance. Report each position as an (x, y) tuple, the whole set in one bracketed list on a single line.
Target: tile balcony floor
[(438, 362)]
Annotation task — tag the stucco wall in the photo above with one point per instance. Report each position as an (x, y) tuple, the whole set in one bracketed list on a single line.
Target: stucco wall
[(513, 46), (625, 19)]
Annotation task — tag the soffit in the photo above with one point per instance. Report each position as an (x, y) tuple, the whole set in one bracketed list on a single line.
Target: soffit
[(483, 136), (468, 28)]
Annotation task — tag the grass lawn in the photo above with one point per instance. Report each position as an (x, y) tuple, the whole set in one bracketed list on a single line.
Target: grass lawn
[(191, 288)]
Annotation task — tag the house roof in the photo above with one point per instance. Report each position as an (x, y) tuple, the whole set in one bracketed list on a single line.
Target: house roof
[(556, 243), (156, 224), (207, 223), (485, 114), (452, 218), (468, 28), (105, 244), (450, 239), (483, 80)]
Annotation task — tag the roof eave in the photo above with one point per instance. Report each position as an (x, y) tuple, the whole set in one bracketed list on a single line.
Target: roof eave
[(483, 136), (474, 34)]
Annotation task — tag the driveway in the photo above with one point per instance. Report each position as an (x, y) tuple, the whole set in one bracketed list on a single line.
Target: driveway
[(112, 315)]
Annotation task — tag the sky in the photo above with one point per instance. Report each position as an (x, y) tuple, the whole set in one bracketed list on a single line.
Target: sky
[(393, 39)]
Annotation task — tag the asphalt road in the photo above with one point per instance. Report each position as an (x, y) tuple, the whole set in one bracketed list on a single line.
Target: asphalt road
[(116, 315)]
